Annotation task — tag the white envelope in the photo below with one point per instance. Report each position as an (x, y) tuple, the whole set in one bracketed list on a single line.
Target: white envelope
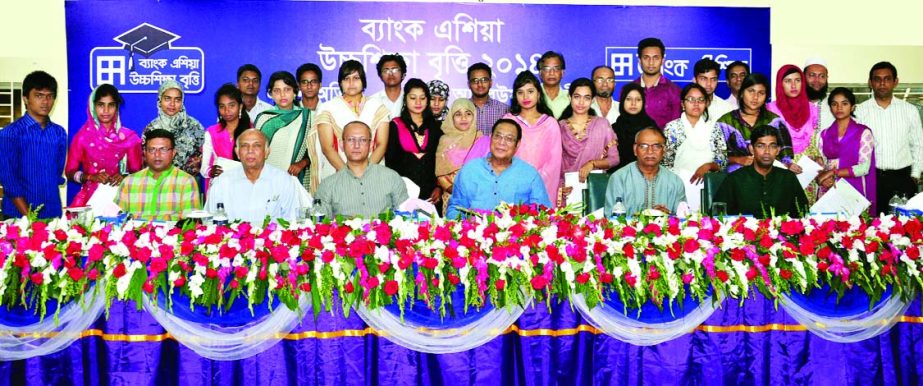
[(841, 199), (103, 201)]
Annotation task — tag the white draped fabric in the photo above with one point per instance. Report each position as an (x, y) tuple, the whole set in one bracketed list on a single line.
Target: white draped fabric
[(231, 343), (436, 340), (50, 336), (616, 324), (849, 329)]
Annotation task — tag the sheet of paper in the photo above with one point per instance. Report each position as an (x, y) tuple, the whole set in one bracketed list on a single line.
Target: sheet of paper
[(841, 199), (572, 179), (103, 201), (226, 163), (809, 170), (693, 191), (413, 190), (915, 202)]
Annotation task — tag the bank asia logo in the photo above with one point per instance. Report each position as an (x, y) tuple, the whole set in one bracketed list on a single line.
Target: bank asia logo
[(146, 59), (678, 64)]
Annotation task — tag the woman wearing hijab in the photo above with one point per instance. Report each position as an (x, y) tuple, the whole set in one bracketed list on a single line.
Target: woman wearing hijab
[(459, 133), (412, 141), (189, 133), (102, 151), (286, 127), (631, 120), (439, 104), (793, 107), (219, 143)]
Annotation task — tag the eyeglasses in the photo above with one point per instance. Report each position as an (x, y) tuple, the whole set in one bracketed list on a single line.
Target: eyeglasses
[(503, 138), (552, 69), (358, 141), (604, 80), (650, 146), (391, 70), (157, 150), (479, 80), (763, 146), (305, 82), (695, 100)]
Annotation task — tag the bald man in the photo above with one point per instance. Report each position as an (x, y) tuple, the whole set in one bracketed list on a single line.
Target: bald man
[(255, 190), (361, 188)]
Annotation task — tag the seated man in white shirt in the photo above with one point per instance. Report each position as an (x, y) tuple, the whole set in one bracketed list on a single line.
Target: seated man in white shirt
[(255, 190)]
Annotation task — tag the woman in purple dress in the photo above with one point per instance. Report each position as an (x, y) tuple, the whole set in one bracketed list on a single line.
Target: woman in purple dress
[(848, 148)]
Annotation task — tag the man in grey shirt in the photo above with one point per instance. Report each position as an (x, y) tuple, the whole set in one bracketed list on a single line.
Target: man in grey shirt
[(361, 188)]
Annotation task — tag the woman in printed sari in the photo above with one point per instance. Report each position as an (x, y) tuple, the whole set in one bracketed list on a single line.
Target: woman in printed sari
[(286, 127), (439, 104), (459, 133), (695, 146), (631, 120), (588, 142), (848, 148), (412, 141), (102, 151), (219, 141), (189, 133), (326, 148), (736, 125), (540, 145)]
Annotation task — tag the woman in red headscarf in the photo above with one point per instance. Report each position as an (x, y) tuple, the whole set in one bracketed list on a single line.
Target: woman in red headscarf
[(793, 106)]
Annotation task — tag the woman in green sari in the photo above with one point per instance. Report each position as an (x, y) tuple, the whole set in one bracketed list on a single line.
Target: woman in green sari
[(286, 126)]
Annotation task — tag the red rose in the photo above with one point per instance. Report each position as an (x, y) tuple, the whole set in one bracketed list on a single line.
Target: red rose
[(211, 273), (148, 287), (605, 277), (157, 265), (372, 282), (453, 278), (179, 282), (119, 271), (631, 280), (241, 272), (500, 284), (583, 278), (751, 273), (765, 260), (653, 273), (349, 287), (539, 282), (37, 278), (75, 273), (738, 254), (391, 287), (691, 246), (913, 252), (234, 284), (722, 275), (629, 250), (792, 227), (822, 266), (786, 274), (306, 287), (766, 242), (95, 253), (93, 274)]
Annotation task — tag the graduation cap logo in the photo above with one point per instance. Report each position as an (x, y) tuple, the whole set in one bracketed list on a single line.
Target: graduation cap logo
[(145, 39)]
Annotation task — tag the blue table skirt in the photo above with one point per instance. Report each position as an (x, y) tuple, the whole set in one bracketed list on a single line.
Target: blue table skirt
[(749, 345)]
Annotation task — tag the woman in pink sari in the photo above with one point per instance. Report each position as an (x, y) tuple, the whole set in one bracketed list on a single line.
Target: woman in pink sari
[(541, 135), (459, 133), (220, 137), (588, 141), (103, 151)]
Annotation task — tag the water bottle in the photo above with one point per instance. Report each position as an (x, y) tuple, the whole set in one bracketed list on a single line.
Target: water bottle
[(893, 203), (220, 217), (619, 209), (317, 215)]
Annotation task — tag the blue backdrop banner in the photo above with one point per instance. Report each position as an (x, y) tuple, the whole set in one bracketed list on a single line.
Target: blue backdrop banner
[(136, 45)]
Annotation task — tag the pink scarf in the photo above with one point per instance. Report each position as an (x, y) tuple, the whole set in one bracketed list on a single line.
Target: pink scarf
[(794, 110)]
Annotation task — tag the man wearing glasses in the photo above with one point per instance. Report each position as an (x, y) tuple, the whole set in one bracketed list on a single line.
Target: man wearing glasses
[(489, 110), (763, 190), (256, 190), (483, 183), (361, 188), (160, 191), (551, 68), (604, 79), (391, 71), (644, 184), (309, 78), (34, 149)]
